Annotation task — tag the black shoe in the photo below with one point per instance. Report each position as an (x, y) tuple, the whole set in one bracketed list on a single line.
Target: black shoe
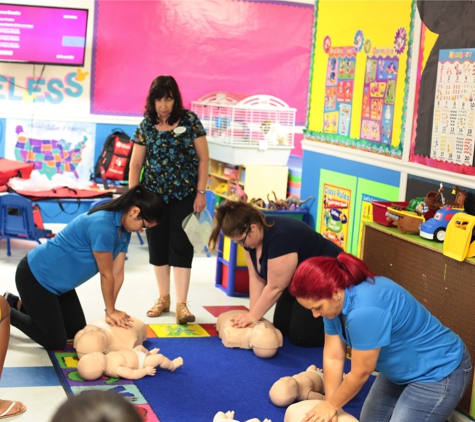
[(11, 299)]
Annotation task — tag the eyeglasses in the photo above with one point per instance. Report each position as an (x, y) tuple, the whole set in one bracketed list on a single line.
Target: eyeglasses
[(243, 240), (143, 225)]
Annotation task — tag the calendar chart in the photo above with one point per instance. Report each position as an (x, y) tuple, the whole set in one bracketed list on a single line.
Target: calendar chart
[(454, 107)]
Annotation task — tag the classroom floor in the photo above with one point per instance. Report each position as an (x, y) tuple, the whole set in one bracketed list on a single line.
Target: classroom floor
[(28, 375)]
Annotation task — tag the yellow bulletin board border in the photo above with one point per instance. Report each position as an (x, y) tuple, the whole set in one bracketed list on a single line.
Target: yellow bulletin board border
[(346, 23)]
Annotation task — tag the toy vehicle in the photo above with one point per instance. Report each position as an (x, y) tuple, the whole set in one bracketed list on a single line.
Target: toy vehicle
[(434, 228), (460, 241), (406, 221)]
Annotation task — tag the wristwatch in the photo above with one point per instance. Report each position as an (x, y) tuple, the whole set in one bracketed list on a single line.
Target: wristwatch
[(201, 191)]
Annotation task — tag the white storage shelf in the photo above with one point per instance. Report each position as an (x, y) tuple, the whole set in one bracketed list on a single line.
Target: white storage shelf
[(242, 130)]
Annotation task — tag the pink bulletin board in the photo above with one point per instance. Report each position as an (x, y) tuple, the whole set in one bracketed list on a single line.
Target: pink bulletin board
[(421, 155), (248, 47)]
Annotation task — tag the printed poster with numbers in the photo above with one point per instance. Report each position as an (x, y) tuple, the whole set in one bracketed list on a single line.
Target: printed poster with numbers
[(454, 107)]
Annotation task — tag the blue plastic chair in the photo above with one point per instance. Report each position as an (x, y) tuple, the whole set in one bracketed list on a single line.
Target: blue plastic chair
[(102, 201), (17, 222)]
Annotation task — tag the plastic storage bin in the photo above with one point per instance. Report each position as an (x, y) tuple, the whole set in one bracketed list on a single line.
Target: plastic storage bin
[(244, 130), (381, 207)]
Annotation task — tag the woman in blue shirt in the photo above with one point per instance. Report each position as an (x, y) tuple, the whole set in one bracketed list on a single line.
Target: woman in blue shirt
[(49, 311), (424, 367)]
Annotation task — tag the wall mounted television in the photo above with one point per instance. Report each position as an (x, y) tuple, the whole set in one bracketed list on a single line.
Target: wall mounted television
[(42, 34)]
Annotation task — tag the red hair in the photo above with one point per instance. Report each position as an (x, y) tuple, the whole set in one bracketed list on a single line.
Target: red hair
[(319, 277)]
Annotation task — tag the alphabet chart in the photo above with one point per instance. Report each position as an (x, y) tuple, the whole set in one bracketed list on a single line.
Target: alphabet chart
[(454, 107)]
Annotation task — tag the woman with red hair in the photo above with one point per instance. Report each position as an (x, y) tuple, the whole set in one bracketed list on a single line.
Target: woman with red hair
[(424, 367)]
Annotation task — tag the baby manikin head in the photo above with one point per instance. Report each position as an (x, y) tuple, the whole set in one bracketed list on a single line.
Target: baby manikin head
[(264, 341), (92, 340), (284, 392), (92, 366)]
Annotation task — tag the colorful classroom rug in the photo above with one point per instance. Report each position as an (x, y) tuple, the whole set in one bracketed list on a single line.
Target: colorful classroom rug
[(213, 378)]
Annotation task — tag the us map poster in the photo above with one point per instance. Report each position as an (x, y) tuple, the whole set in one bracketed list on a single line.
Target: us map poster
[(335, 214), (58, 150), (454, 107)]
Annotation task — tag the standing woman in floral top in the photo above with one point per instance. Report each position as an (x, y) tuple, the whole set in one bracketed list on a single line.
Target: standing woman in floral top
[(171, 147)]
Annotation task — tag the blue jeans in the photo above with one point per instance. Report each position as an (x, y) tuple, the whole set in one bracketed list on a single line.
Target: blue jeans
[(419, 401)]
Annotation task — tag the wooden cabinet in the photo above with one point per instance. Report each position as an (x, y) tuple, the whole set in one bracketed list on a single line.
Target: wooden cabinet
[(443, 285), (256, 181)]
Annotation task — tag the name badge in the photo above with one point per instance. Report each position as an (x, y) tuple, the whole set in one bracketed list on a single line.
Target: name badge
[(179, 130)]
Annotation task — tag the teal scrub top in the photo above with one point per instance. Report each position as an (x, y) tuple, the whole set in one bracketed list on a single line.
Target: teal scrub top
[(415, 346), (66, 261)]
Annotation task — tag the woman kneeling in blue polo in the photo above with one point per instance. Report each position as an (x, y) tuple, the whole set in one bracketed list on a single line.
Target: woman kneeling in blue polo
[(48, 310), (424, 367)]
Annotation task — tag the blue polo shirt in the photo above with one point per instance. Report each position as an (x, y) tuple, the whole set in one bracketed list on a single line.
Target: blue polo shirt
[(415, 346), (66, 261)]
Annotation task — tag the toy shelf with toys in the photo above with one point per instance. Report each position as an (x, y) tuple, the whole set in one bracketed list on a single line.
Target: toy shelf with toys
[(255, 180), (244, 130)]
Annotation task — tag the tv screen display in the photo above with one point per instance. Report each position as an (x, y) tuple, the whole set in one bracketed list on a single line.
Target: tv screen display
[(44, 35)]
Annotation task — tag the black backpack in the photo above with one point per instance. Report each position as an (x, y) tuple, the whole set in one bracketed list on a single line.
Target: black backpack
[(113, 163)]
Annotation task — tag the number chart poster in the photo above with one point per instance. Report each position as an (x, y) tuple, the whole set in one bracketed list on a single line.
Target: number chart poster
[(454, 107), (359, 76)]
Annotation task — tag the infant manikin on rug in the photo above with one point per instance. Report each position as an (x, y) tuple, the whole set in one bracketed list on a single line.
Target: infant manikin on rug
[(212, 378)]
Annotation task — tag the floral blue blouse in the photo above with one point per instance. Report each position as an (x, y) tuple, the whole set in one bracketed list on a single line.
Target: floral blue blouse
[(171, 165)]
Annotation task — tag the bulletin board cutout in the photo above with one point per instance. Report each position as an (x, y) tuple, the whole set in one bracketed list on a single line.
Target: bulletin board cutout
[(380, 54), (379, 97), (335, 217), (339, 87), (366, 192), (453, 32)]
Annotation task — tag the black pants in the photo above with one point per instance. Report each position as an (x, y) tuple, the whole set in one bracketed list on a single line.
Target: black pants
[(297, 323), (46, 318), (168, 243)]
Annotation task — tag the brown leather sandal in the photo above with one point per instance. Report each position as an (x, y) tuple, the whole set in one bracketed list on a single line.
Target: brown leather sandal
[(183, 314), (161, 305)]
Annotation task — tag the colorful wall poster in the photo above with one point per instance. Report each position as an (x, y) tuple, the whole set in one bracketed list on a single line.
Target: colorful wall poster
[(379, 92), (339, 90), (59, 150), (334, 217), (373, 117), (454, 107)]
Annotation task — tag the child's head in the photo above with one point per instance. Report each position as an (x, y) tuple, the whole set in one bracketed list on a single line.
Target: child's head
[(97, 406), (92, 366)]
